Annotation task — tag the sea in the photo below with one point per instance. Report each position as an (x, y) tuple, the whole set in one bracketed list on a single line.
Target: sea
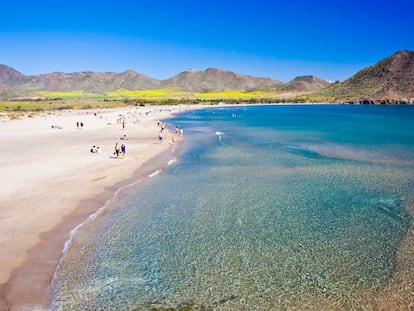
[(268, 207)]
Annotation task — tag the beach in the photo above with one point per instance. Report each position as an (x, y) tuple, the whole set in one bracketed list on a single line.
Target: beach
[(53, 182)]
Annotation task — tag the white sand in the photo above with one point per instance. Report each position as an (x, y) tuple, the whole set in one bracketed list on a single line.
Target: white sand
[(47, 171)]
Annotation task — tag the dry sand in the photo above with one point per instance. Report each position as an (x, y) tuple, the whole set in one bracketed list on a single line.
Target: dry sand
[(52, 182)]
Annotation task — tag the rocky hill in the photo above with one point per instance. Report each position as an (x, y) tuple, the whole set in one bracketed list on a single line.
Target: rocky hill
[(216, 80), (11, 77), (391, 79), (305, 84)]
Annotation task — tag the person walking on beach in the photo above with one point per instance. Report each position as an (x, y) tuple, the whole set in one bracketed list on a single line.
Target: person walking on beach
[(116, 150), (123, 150)]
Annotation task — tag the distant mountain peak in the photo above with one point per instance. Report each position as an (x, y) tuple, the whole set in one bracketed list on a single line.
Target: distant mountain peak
[(11, 76), (305, 83), (307, 78), (130, 72), (214, 70)]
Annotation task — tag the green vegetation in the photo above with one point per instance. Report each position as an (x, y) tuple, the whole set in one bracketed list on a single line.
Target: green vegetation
[(151, 95), (172, 94), (28, 106), (19, 109), (66, 95)]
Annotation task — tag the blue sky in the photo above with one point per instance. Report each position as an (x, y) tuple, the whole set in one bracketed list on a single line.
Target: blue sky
[(278, 39)]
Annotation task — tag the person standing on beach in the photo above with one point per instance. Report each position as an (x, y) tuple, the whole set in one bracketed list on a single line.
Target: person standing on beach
[(116, 150), (123, 150)]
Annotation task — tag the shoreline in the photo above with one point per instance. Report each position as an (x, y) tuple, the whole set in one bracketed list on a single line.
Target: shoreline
[(34, 290), (37, 217)]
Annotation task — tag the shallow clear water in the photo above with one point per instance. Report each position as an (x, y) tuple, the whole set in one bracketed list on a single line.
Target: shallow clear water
[(267, 208)]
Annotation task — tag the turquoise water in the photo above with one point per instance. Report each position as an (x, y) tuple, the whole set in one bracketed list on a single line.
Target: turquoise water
[(266, 208)]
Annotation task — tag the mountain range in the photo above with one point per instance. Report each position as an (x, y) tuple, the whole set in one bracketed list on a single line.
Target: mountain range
[(391, 78)]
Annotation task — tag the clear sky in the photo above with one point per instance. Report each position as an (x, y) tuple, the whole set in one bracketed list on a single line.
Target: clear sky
[(268, 38)]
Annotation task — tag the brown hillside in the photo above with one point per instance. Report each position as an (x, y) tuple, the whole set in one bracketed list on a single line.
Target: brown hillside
[(305, 84), (10, 76), (216, 80), (93, 82), (389, 79)]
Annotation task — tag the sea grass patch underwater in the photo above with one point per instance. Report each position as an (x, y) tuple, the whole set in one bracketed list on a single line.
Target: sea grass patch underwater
[(256, 215)]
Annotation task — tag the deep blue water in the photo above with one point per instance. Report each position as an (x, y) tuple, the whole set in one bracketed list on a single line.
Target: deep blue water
[(267, 208)]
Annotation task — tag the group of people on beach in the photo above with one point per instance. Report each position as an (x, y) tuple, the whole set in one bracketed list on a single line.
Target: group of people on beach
[(95, 149), (178, 132), (119, 150)]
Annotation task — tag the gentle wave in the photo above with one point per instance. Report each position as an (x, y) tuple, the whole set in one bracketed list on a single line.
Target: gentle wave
[(154, 173), (172, 161)]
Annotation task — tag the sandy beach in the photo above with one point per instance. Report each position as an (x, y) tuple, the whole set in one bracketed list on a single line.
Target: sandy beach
[(53, 182)]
